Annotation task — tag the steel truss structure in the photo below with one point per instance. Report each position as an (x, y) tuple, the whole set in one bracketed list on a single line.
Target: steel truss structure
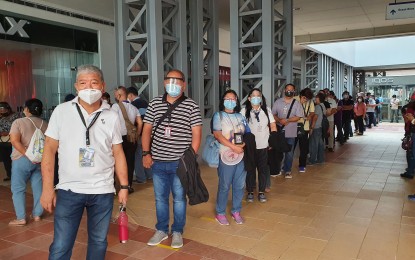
[(150, 34), (261, 46), (203, 46), (320, 71)]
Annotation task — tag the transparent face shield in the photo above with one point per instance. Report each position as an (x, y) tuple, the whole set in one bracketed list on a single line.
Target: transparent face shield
[(172, 81)]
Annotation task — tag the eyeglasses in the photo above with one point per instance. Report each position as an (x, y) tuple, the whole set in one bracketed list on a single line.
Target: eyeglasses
[(169, 78)]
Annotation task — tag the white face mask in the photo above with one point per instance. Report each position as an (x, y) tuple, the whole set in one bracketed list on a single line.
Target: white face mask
[(89, 95)]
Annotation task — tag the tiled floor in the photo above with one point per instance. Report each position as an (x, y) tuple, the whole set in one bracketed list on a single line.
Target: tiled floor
[(352, 207)]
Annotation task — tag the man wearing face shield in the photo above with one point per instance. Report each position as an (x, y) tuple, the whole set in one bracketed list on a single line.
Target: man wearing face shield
[(87, 134), (164, 142)]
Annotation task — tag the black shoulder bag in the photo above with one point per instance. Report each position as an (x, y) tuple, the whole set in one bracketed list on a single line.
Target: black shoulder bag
[(165, 115)]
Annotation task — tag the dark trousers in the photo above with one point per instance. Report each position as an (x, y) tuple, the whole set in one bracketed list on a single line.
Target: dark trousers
[(346, 127), (274, 166), (5, 152), (303, 142), (129, 151), (339, 127), (360, 124), (371, 116), (261, 159)]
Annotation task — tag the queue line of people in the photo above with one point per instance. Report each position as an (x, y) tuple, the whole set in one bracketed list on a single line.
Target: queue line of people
[(90, 137)]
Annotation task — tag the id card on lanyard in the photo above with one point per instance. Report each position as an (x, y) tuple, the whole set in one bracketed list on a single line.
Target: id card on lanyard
[(87, 154)]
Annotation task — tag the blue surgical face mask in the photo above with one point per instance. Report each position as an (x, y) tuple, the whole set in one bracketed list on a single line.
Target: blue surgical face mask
[(256, 101), (229, 104), (173, 90)]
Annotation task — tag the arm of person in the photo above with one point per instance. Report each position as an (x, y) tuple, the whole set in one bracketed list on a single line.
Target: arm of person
[(293, 119), (15, 139), (139, 123), (221, 139), (121, 172), (196, 137), (48, 198), (349, 107), (313, 122), (273, 127), (145, 141)]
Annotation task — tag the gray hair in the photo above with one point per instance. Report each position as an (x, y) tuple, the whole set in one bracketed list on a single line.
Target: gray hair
[(88, 68)]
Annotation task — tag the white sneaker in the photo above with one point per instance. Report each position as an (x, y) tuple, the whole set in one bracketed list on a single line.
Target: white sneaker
[(288, 175)]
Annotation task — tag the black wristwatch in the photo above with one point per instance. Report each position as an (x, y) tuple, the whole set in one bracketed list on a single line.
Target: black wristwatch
[(124, 187), (145, 153)]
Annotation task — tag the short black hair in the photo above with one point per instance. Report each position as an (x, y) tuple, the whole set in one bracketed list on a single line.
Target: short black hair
[(69, 97), (35, 106), (394, 96), (321, 97), (5, 105), (132, 90), (237, 109), (307, 92)]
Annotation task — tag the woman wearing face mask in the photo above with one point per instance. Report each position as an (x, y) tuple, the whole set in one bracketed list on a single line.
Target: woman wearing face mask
[(360, 112), (23, 169), (228, 128), (7, 117), (261, 122)]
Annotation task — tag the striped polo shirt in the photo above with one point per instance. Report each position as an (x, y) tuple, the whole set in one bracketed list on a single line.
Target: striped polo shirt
[(182, 119)]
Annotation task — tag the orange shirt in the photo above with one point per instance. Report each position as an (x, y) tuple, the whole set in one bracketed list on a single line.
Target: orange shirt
[(360, 109)]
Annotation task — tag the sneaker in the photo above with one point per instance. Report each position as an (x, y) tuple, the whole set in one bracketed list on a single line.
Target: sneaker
[(130, 190), (411, 197), (17, 222), (267, 189), (157, 238), (276, 175), (177, 240), (301, 169), (331, 150), (262, 198), (238, 218), (250, 197), (288, 175), (36, 218), (221, 219)]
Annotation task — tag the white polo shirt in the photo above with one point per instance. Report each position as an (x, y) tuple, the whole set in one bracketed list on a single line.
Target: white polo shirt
[(132, 113), (260, 129), (66, 126), (333, 104)]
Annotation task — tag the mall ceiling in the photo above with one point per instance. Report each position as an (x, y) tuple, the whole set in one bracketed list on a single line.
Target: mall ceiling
[(314, 20)]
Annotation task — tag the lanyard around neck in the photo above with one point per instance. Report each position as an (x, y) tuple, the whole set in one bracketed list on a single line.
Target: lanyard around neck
[(88, 142)]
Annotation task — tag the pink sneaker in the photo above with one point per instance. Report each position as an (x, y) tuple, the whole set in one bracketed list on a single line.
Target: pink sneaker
[(238, 218), (222, 220)]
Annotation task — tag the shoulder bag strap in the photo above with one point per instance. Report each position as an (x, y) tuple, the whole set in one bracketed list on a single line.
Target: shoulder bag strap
[(34, 123), (289, 111), (269, 122), (165, 115), (128, 123)]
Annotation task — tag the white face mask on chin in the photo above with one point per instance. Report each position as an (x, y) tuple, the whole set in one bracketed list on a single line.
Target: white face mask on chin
[(90, 96)]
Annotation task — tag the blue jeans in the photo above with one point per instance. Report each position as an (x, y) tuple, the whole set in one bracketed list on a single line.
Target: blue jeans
[(24, 170), (165, 180), (141, 173), (288, 156), (316, 146), (68, 214), (234, 175)]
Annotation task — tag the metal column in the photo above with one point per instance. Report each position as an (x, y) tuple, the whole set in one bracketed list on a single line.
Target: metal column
[(348, 79), (324, 71), (359, 77), (338, 77), (309, 68), (204, 55), (261, 46), (155, 28)]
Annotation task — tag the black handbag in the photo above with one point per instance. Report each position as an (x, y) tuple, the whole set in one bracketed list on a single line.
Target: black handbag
[(283, 146), (407, 143)]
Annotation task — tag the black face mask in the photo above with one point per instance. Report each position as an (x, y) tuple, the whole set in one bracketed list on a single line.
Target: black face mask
[(289, 93)]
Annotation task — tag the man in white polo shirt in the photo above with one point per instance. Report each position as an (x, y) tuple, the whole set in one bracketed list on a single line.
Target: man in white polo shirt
[(86, 135)]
